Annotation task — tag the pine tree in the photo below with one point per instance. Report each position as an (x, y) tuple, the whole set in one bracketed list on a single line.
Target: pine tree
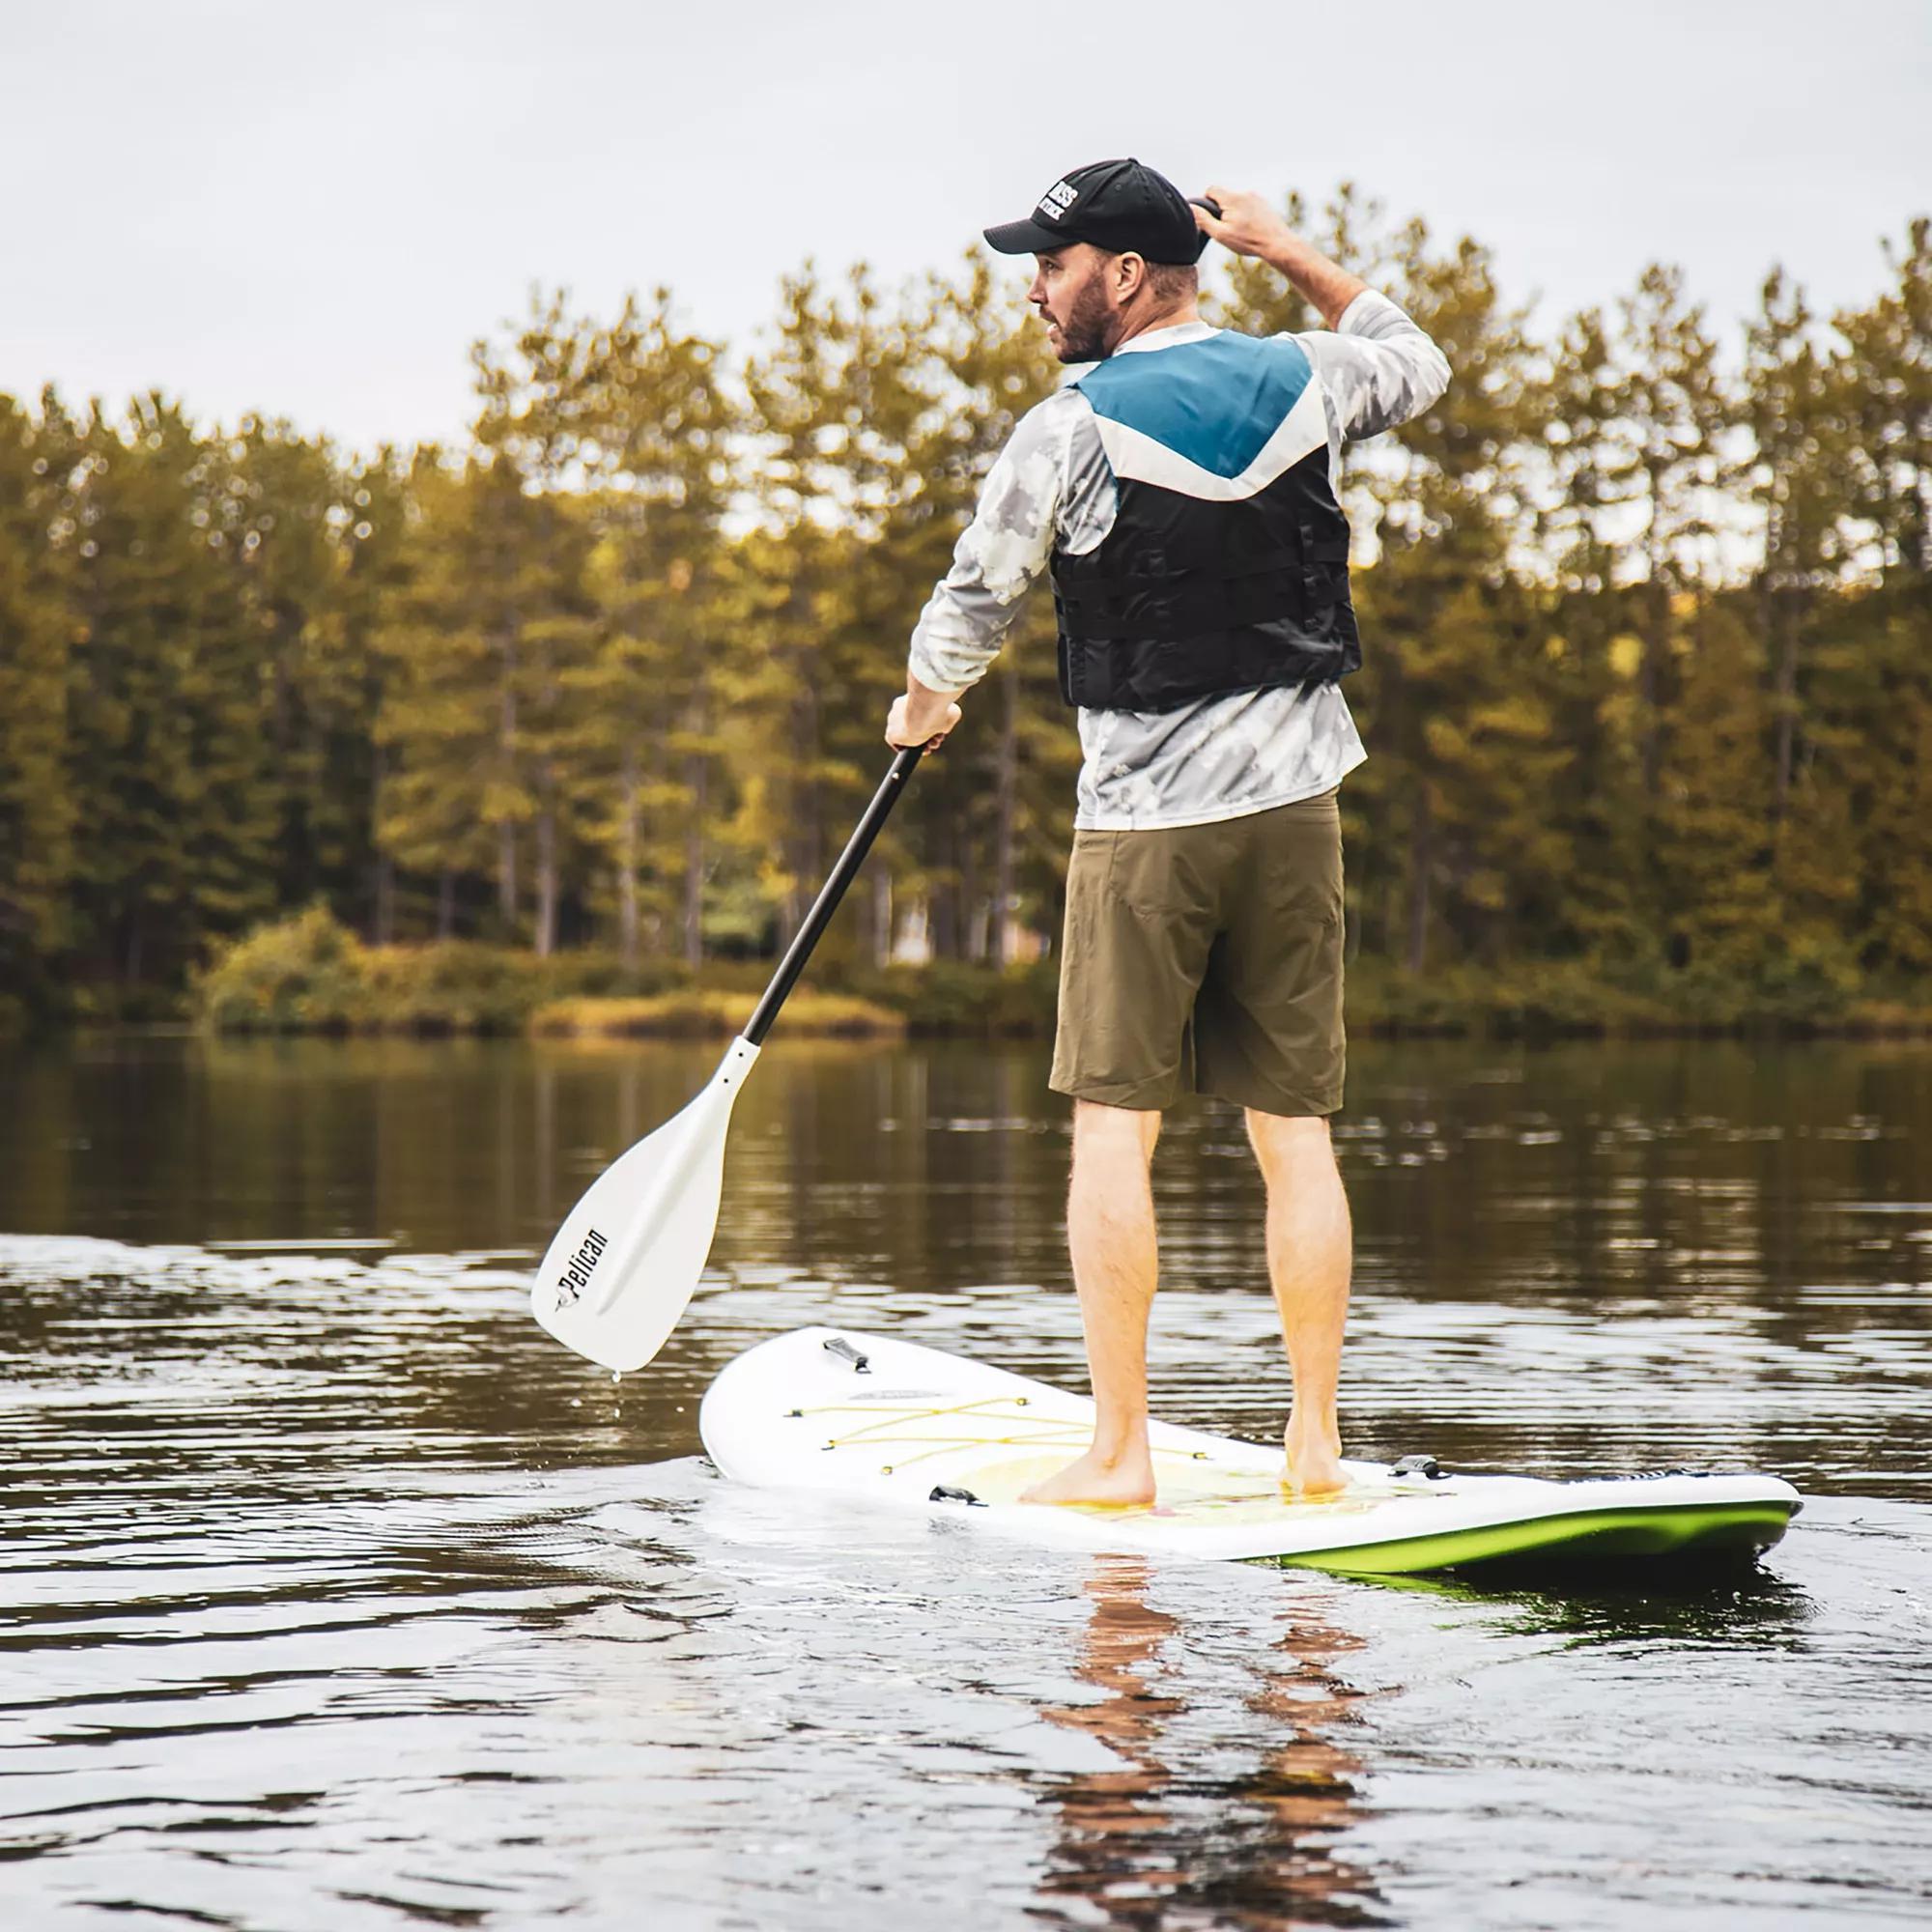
[(532, 423), (281, 499), (370, 556), (494, 620), (165, 702), (834, 402), (654, 696), (1673, 409), (451, 798), (1638, 456), (39, 796), (1713, 832), (1793, 476), (1884, 381)]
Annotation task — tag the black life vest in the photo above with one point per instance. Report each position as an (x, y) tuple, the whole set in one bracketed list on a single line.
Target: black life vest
[(1227, 566)]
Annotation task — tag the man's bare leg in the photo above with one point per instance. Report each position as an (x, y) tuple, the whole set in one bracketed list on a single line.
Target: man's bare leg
[(1309, 1249), (1110, 1230)]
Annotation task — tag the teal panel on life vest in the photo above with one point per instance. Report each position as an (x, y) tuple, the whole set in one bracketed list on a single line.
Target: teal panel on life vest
[(1215, 402)]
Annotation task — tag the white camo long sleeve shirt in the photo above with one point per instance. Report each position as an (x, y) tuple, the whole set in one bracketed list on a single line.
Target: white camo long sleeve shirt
[(1219, 757)]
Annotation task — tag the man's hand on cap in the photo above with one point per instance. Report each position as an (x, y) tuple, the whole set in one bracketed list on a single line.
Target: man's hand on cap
[(1248, 223)]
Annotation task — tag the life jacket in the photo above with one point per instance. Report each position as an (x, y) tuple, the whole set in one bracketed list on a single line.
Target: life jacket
[(1227, 566)]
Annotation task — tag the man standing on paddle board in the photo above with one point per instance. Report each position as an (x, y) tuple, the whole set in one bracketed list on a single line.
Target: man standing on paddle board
[(1180, 488)]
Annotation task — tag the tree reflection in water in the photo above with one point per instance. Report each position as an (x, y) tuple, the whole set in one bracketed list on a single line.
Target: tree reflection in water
[(1169, 1839)]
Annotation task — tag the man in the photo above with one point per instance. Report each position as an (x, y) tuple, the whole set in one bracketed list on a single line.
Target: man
[(1180, 489)]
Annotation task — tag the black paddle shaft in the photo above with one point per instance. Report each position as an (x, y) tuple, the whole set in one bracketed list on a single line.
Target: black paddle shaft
[(832, 891)]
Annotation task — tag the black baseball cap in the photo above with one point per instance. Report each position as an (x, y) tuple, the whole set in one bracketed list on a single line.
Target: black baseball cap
[(1118, 206)]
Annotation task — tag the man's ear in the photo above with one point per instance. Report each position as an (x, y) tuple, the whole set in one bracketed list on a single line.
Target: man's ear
[(1129, 273)]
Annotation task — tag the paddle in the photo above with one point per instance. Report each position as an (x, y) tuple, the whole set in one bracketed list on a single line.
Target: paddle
[(622, 1269)]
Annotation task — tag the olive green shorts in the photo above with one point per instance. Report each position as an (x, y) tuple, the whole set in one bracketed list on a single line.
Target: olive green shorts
[(1206, 959)]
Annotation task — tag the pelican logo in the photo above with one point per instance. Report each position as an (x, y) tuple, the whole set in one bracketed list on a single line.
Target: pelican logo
[(1057, 200), (576, 1278)]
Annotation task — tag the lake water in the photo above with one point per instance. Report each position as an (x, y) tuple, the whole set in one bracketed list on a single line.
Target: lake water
[(336, 1596)]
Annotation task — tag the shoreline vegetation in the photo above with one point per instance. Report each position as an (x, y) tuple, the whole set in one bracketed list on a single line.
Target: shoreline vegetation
[(711, 1013), (312, 976)]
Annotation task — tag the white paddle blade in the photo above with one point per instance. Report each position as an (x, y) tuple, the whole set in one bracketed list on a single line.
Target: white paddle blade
[(617, 1278)]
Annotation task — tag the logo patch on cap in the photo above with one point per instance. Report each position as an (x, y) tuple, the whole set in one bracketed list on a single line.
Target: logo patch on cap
[(1057, 200)]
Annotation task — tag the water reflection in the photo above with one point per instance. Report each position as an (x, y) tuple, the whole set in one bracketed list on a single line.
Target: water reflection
[(1114, 1846), (1259, 1851), (1724, 1606)]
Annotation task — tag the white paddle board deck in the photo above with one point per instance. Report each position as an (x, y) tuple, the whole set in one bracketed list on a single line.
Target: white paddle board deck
[(910, 1428)]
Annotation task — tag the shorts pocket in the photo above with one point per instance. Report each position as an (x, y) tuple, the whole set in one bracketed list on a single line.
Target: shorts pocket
[(1165, 875)]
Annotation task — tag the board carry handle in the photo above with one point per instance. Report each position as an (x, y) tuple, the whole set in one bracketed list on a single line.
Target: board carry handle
[(837, 1345), (830, 893)]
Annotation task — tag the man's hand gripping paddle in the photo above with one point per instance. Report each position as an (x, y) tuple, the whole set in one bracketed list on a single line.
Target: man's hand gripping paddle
[(623, 1265)]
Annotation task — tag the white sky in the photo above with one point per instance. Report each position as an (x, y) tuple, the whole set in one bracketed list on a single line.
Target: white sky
[(311, 209)]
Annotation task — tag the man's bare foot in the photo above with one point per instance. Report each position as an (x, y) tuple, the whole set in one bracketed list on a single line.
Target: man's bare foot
[(1313, 1468), (1123, 1481)]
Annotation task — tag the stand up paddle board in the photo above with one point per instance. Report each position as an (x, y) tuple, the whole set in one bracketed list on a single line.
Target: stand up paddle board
[(910, 1428)]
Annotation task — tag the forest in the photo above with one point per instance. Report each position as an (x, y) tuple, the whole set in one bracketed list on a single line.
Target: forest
[(1646, 608)]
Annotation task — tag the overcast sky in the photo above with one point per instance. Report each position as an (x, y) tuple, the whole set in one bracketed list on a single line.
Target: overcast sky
[(311, 209)]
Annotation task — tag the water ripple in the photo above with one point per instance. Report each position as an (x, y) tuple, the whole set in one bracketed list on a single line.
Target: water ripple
[(333, 1595)]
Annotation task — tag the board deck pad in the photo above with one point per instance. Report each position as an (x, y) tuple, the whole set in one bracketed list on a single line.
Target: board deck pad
[(906, 1426)]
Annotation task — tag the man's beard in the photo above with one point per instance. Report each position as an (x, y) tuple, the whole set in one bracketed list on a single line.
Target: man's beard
[(1085, 328)]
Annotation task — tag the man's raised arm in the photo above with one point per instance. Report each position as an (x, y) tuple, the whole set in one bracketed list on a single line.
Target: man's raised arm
[(1248, 224), (1380, 368)]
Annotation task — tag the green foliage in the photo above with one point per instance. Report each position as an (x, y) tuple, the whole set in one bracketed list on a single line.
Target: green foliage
[(307, 974), (37, 795), (311, 975), (957, 997), (1647, 693)]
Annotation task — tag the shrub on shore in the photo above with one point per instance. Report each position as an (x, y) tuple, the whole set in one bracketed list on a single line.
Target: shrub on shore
[(1539, 1000), (310, 973), (302, 975), (953, 997)]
